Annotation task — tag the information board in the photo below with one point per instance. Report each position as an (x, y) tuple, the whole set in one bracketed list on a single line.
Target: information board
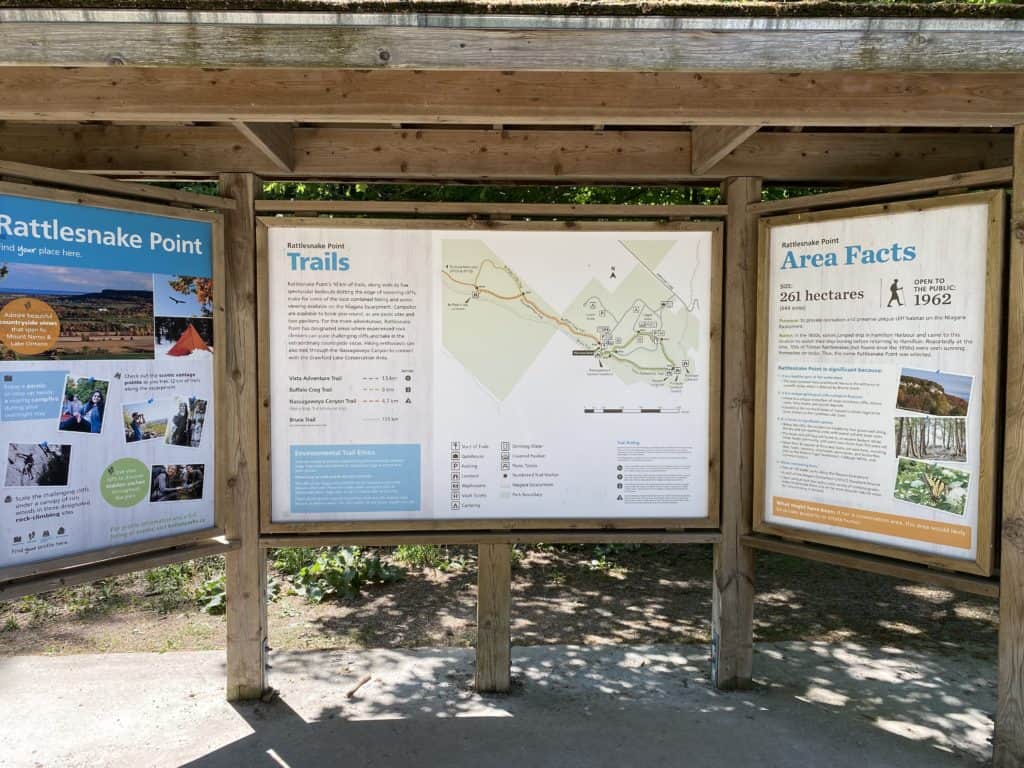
[(442, 375), (106, 377), (879, 378)]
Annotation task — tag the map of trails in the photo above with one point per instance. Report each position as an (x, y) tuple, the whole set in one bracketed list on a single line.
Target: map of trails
[(642, 328)]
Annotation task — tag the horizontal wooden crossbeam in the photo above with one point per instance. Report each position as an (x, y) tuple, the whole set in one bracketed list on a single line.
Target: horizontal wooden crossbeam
[(873, 564), (487, 155), (55, 37), (491, 537), (276, 95)]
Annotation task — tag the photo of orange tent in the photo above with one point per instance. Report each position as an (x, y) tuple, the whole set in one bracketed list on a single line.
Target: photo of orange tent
[(189, 342)]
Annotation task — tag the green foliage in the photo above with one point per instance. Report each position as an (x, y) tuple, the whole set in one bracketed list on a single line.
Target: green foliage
[(932, 485), (341, 572), (291, 560), (469, 193), (429, 556), (211, 596), (10, 624), (173, 585)]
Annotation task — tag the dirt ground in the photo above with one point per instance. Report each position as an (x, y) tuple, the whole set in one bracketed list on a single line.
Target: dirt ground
[(563, 596)]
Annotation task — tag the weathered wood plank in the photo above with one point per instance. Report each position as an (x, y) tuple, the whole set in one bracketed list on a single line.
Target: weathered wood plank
[(274, 140), (1009, 734), (655, 156), (246, 568), (732, 607), (489, 209), (75, 180), (83, 574), (993, 177), (975, 585), (584, 98), (493, 618), (710, 143), (155, 44), (386, 539)]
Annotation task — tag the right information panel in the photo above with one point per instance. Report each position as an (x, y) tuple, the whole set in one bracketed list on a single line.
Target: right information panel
[(878, 378)]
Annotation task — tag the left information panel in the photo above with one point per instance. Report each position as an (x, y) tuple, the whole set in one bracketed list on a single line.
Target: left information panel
[(106, 378)]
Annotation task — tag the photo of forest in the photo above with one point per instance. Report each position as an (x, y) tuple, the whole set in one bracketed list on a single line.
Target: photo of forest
[(931, 485), (927, 437), (933, 392)]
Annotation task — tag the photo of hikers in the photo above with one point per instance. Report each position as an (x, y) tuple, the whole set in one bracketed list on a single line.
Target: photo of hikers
[(183, 336), (928, 437), (104, 314), (37, 464), (935, 393), (185, 425), (931, 485), (146, 421), (83, 405), (176, 482)]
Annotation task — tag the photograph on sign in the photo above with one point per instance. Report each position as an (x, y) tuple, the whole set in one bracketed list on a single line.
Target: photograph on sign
[(93, 396), (419, 374), (878, 379)]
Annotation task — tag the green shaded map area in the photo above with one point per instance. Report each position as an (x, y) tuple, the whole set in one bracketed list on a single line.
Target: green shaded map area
[(497, 326)]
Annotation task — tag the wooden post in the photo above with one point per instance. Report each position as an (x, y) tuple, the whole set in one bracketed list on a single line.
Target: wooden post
[(1009, 736), (493, 618), (732, 608), (237, 408)]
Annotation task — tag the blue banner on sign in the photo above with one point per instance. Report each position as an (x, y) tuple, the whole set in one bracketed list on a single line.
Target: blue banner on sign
[(74, 235), (355, 478), (29, 395)]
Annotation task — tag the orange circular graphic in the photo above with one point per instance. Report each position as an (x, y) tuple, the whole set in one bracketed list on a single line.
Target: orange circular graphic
[(29, 326)]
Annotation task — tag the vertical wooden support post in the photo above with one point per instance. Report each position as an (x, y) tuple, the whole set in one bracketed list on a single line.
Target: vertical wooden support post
[(732, 611), (1009, 736), (237, 412), (493, 618)]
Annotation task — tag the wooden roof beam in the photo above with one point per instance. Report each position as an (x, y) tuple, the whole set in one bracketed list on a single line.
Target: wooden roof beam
[(275, 95), (275, 140), (711, 143), (460, 154)]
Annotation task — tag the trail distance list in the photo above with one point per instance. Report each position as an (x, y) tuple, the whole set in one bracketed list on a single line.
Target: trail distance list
[(874, 377), (421, 374)]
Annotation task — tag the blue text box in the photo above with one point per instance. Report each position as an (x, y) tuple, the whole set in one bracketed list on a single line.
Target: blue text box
[(30, 395), (355, 478)]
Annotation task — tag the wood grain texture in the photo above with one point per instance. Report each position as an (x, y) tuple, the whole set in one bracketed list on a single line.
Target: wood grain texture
[(991, 407), (274, 140), (493, 619), (84, 574), (859, 561), (732, 607), (491, 537), (992, 177), (106, 557), (274, 94), (461, 154), (90, 183), (238, 461), (98, 43), (1009, 734), (710, 143), (550, 211)]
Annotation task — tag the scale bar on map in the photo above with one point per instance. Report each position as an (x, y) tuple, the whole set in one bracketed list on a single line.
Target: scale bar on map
[(632, 410)]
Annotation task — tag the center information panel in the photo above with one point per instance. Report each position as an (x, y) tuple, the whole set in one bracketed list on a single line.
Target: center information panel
[(457, 375)]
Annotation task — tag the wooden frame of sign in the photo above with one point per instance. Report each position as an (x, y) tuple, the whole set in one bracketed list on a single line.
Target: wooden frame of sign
[(108, 556), (460, 526), (991, 387)]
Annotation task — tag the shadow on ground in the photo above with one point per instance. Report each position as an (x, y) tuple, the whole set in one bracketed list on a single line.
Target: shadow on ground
[(817, 704)]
